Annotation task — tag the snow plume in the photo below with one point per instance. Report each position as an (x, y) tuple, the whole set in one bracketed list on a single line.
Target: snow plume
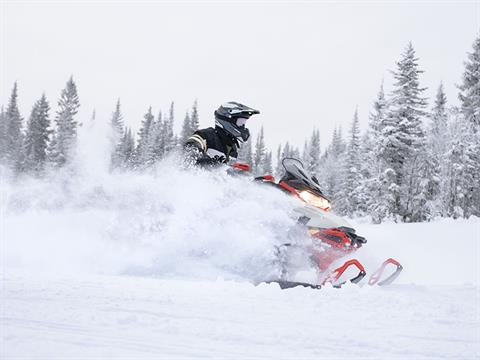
[(167, 222)]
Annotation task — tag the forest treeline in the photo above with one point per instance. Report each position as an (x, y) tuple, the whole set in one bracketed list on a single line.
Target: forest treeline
[(416, 161)]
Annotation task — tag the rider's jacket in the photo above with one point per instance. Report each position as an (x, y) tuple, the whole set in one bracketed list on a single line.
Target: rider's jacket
[(211, 146)]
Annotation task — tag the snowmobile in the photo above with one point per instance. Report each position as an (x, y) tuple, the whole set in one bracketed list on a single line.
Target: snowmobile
[(332, 237)]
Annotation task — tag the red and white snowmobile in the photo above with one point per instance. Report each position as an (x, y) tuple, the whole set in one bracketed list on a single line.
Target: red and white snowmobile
[(333, 238)]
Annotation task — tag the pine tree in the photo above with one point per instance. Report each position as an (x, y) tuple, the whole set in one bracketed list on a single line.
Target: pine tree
[(65, 134), (402, 137), (436, 142), (142, 150), (170, 138), (127, 146), (3, 135), (245, 152), (371, 192), (155, 149), (279, 167), (349, 192), (371, 145), (313, 153), (116, 122), (37, 137), (187, 130), (260, 153), (380, 106), (461, 183), (338, 145), (13, 131), (118, 131), (268, 166), (194, 120), (331, 175), (305, 155), (470, 88), (287, 151), (158, 138), (375, 191), (295, 152)]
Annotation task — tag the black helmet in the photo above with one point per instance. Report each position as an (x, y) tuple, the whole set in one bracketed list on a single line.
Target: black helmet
[(232, 116)]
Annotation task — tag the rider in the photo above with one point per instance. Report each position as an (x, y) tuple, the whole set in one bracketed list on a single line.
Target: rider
[(219, 145)]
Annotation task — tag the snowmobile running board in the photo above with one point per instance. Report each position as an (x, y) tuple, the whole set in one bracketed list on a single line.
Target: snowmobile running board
[(291, 284)]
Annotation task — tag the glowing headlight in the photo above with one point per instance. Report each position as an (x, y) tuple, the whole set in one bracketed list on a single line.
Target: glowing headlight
[(314, 200)]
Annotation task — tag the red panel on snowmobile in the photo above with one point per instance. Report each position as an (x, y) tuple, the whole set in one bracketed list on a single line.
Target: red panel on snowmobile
[(332, 244), (240, 166), (287, 187)]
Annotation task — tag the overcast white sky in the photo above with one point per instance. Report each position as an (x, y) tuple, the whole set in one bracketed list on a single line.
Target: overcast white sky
[(303, 64)]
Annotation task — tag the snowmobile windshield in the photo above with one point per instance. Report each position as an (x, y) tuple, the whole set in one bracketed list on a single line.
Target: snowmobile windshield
[(295, 171)]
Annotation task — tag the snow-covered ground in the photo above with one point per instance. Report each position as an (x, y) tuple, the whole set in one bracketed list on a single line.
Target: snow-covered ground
[(130, 317), (163, 266)]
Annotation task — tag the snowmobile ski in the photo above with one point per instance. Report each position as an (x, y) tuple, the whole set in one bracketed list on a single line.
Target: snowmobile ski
[(377, 275), (336, 274)]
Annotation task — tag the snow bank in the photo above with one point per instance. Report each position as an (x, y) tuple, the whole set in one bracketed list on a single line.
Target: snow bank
[(441, 252)]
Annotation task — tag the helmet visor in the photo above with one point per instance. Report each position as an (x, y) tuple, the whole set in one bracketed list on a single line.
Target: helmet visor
[(241, 122)]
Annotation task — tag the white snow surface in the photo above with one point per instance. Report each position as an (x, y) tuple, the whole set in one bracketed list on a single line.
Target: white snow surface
[(169, 264)]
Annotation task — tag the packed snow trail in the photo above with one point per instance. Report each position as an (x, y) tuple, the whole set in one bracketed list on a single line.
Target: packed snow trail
[(163, 265), (94, 317)]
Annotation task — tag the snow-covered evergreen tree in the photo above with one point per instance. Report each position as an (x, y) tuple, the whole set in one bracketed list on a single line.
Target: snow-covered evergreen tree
[(194, 120), (402, 136), (190, 123), (116, 122), (371, 192), (348, 198), (170, 139), (279, 167), (13, 135), (65, 134), (371, 148), (142, 152), (470, 88), (331, 164), (305, 155), (3, 135), (245, 153), (312, 158), (268, 166), (127, 146), (260, 153), (433, 157), (118, 131), (295, 153), (37, 137), (461, 185), (158, 138), (187, 130), (287, 151)]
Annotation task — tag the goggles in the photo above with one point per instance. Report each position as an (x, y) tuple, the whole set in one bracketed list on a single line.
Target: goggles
[(241, 122)]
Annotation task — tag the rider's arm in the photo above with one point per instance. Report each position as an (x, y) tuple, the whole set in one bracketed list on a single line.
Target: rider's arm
[(196, 149)]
